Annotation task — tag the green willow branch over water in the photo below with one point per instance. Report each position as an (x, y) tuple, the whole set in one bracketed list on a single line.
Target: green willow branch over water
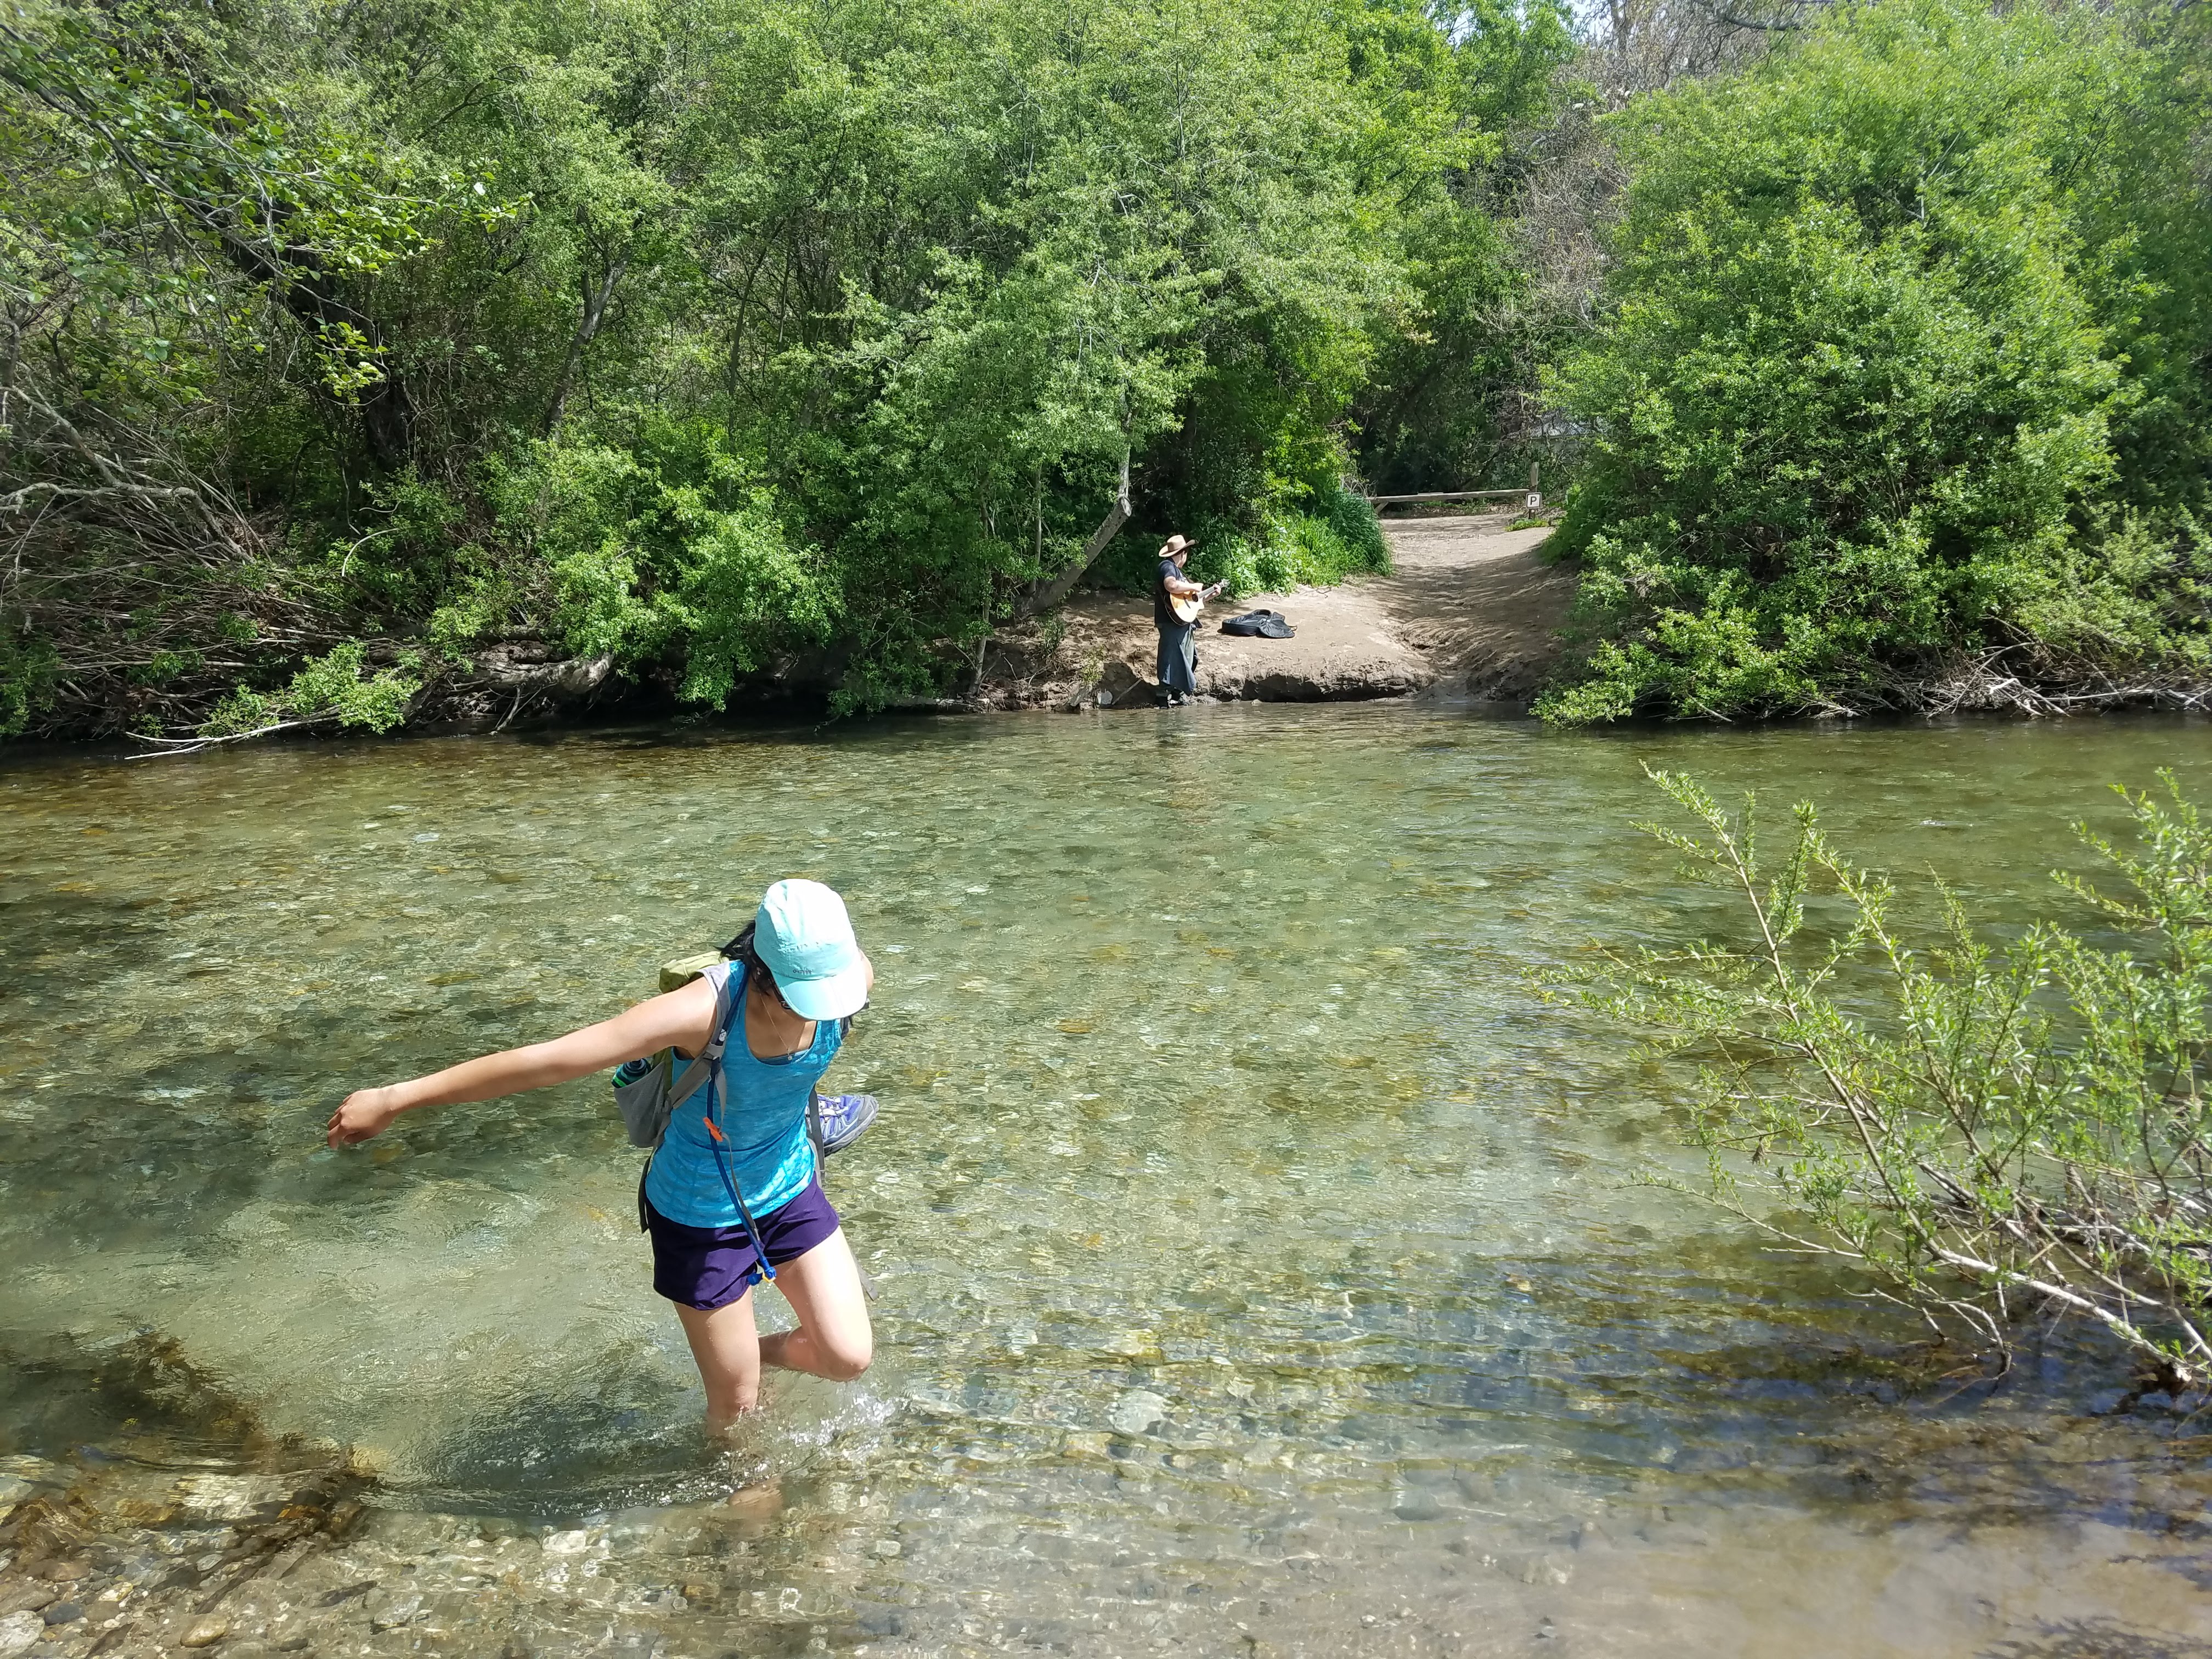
[(1989, 1130)]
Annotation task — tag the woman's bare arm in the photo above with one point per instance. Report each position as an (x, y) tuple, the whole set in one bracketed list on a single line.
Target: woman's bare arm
[(682, 1019)]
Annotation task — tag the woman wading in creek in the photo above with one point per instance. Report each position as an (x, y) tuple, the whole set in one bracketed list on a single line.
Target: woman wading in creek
[(736, 1178)]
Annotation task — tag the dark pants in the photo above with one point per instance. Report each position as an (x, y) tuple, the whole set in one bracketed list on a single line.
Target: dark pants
[(1178, 667)]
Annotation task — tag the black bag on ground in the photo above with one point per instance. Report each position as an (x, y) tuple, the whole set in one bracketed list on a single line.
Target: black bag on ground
[(1261, 625)]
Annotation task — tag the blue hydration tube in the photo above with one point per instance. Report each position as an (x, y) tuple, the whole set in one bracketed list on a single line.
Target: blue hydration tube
[(729, 1184)]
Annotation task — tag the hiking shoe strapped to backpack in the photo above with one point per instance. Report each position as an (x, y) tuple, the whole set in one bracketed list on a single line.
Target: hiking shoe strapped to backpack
[(835, 1122)]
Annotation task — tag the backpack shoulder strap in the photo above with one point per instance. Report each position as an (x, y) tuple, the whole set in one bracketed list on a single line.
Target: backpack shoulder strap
[(728, 988), (729, 980)]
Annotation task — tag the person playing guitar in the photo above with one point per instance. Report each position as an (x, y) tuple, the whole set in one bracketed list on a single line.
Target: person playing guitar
[(1177, 601)]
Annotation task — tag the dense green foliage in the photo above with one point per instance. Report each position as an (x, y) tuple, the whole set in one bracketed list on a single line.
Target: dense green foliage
[(683, 334), (1988, 1132), (1280, 552), (700, 342), (1906, 372)]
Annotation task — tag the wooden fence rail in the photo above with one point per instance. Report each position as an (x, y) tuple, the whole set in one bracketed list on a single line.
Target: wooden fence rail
[(1535, 496), (1448, 495)]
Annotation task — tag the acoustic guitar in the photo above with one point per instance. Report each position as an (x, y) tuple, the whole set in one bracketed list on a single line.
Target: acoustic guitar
[(1186, 607)]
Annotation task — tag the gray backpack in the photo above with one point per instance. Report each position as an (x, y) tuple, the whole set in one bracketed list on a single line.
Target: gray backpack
[(648, 1098)]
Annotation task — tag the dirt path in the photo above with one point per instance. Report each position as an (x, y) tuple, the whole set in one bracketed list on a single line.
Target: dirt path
[(1468, 605), (1477, 600)]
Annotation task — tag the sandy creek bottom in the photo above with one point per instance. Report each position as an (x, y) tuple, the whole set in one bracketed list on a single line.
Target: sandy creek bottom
[(1260, 1268)]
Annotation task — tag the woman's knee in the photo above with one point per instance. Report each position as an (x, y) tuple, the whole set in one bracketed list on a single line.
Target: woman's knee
[(724, 1403), (847, 1355)]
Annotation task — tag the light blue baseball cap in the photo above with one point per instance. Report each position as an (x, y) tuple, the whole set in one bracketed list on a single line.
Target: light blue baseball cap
[(804, 936)]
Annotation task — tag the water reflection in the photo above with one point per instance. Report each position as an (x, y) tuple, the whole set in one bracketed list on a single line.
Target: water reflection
[(1257, 1265)]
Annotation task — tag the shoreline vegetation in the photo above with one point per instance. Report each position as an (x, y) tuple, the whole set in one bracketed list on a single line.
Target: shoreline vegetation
[(1990, 1133), (358, 353), (1899, 399), (362, 367)]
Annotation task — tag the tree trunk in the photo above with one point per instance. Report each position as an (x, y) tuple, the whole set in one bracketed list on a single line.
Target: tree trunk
[(595, 307), (1060, 585), (313, 294)]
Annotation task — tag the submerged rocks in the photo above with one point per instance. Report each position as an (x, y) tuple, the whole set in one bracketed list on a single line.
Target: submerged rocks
[(188, 1527), (1135, 1412), (229, 1497), (390, 1609)]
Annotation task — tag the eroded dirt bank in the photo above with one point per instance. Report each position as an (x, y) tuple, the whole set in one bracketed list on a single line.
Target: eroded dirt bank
[(1469, 606)]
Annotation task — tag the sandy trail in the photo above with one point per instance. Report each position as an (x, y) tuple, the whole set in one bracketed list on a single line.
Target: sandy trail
[(1469, 605)]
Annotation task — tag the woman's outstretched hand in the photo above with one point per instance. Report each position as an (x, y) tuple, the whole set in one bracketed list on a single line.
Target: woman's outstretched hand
[(361, 1115), (683, 1020)]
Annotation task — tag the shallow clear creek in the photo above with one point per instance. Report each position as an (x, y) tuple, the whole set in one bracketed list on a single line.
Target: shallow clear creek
[(1258, 1267)]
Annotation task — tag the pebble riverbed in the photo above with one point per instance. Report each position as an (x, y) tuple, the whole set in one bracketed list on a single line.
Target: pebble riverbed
[(1261, 1271)]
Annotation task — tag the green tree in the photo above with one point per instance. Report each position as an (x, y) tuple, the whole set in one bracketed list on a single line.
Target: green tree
[(165, 242), (1854, 402), (679, 332), (1452, 374)]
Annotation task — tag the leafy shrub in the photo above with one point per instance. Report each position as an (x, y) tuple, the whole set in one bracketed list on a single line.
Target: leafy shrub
[(676, 551), (328, 688), (580, 512), (28, 668), (1852, 402), (1994, 1129), (742, 589), (1357, 529), (2136, 599), (1232, 558), (1287, 551)]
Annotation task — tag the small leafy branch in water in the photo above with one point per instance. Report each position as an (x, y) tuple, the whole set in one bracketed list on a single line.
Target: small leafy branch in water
[(2011, 1128), (330, 690)]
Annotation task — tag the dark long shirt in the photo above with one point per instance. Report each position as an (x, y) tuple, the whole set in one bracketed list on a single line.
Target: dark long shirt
[(1163, 615)]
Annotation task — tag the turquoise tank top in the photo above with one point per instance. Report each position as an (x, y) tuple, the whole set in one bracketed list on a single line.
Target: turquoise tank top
[(761, 1105)]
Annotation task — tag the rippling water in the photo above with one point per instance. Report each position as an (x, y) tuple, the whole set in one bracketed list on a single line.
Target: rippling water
[(1258, 1267)]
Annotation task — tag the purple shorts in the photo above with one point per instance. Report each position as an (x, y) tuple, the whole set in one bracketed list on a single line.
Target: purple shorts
[(713, 1267)]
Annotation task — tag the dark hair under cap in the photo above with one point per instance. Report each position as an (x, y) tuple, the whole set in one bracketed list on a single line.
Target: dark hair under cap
[(740, 951)]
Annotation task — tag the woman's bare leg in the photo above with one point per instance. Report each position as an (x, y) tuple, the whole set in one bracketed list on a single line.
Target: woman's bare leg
[(834, 1338), (727, 1348)]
